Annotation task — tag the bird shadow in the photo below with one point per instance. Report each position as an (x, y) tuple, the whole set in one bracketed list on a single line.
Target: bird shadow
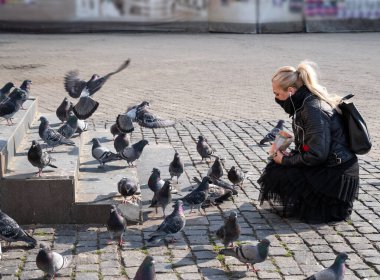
[(101, 169)]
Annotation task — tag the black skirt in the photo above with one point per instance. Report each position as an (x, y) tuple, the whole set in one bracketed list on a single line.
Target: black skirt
[(313, 194)]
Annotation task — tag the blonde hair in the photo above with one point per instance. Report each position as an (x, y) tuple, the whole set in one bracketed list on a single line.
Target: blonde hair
[(305, 74)]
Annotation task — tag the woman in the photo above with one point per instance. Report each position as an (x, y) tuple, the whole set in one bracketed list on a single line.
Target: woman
[(318, 180)]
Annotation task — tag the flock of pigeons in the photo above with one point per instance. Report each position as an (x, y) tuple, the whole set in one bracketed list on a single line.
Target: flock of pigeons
[(209, 191)]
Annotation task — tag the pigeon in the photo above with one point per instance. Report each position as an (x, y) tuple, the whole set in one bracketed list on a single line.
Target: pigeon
[(203, 148), (12, 105), (162, 197), (25, 87), (149, 120), (155, 182), (10, 231), (5, 90), (271, 136), (146, 270), (171, 225), (216, 194), (176, 167), (133, 110), (75, 86), (116, 225), (70, 127), (132, 153), (124, 123), (249, 254), (51, 262), (216, 170), (230, 231), (199, 195), (128, 187), (101, 153), (114, 130), (82, 126), (51, 137), (224, 184), (63, 110), (334, 272), (121, 142), (38, 158), (236, 176), (86, 106)]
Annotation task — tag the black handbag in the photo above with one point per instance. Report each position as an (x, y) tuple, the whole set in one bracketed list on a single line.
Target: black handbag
[(358, 135)]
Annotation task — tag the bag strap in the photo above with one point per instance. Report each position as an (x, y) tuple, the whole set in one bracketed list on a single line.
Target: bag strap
[(347, 97)]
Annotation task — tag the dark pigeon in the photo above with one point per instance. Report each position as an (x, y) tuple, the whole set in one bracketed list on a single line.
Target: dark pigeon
[(216, 170), (155, 182), (203, 148), (86, 106), (38, 158), (171, 225), (116, 225), (12, 105), (121, 142), (176, 167), (162, 197), (236, 176), (199, 195), (128, 188), (230, 231), (114, 130), (124, 123), (132, 153), (5, 90), (63, 110), (334, 272), (69, 128), (146, 270), (51, 262), (101, 153), (271, 136), (51, 137), (25, 87)]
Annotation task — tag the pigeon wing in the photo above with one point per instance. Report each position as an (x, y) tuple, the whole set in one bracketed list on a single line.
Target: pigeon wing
[(7, 108), (73, 84), (124, 123), (85, 107)]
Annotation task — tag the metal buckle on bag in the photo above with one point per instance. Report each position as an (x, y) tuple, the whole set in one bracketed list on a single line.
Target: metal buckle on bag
[(337, 159)]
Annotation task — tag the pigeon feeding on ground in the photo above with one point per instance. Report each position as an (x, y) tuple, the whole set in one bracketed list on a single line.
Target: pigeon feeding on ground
[(63, 110), (25, 87), (216, 170), (199, 195), (155, 182), (224, 184), (124, 123), (114, 130), (128, 188), (116, 225), (101, 153), (236, 176), (121, 142), (146, 270), (176, 167), (149, 120), (203, 148), (51, 137), (70, 127), (216, 194), (249, 254), (230, 231), (39, 158), (271, 136), (132, 153), (334, 272), (5, 90), (171, 225), (51, 262), (12, 105), (133, 110), (162, 197)]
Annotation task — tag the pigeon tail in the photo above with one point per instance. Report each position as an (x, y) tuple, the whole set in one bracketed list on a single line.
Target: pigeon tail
[(85, 108), (121, 68), (154, 239), (52, 165)]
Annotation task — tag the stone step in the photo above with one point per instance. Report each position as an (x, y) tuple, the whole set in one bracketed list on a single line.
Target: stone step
[(12, 136)]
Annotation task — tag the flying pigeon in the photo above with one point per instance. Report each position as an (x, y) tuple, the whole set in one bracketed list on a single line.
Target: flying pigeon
[(146, 270), (51, 137), (63, 110), (38, 158), (70, 127), (5, 90), (171, 225), (25, 87), (75, 86), (51, 262), (121, 142), (162, 197), (230, 231), (114, 130), (133, 110), (101, 153), (12, 105), (271, 136), (236, 176), (249, 254), (199, 195), (149, 120), (216, 170), (86, 106), (334, 272), (203, 148), (128, 187), (176, 167), (155, 182), (132, 153), (124, 123), (116, 225)]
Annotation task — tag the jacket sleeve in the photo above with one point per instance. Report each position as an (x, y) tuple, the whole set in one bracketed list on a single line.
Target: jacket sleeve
[(317, 137)]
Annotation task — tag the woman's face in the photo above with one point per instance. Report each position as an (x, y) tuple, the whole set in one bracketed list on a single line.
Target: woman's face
[(279, 93)]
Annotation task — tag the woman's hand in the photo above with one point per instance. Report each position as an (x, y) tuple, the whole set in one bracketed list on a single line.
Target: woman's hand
[(277, 157)]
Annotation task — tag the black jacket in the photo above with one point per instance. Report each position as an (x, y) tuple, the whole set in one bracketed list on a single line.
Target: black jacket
[(319, 134)]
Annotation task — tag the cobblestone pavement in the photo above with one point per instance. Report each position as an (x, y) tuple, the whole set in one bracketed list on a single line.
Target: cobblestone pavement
[(215, 85)]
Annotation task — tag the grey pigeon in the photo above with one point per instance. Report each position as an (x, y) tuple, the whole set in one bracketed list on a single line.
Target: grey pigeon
[(162, 197), (176, 167), (116, 225), (124, 123), (171, 225), (10, 231), (334, 272), (216, 170), (121, 142), (74, 85), (101, 153), (70, 127), (224, 184), (132, 153), (114, 130), (25, 87), (51, 262), (230, 231), (39, 158), (63, 110), (199, 195), (86, 106), (203, 148), (271, 136), (134, 110), (236, 176), (149, 120), (216, 194), (5, 90), (52, 137), (155, 182), (249, 254), (146, 270), (128, 188), (12, 105)]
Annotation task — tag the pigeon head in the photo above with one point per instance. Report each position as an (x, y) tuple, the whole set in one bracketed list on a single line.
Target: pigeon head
[(34, 143), (7, 87), (156, 171), (95, 77), (113, 209), (144, 103), (341, 258), (44, 246), (233, 216), (201, 138), (207, 179), (233, 168), (167, 185), (26, 85), (178, 206), (95, 142), (139, 146), (43, 120)]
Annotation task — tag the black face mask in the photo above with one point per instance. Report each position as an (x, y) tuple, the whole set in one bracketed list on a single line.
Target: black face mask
[(287, 105)]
